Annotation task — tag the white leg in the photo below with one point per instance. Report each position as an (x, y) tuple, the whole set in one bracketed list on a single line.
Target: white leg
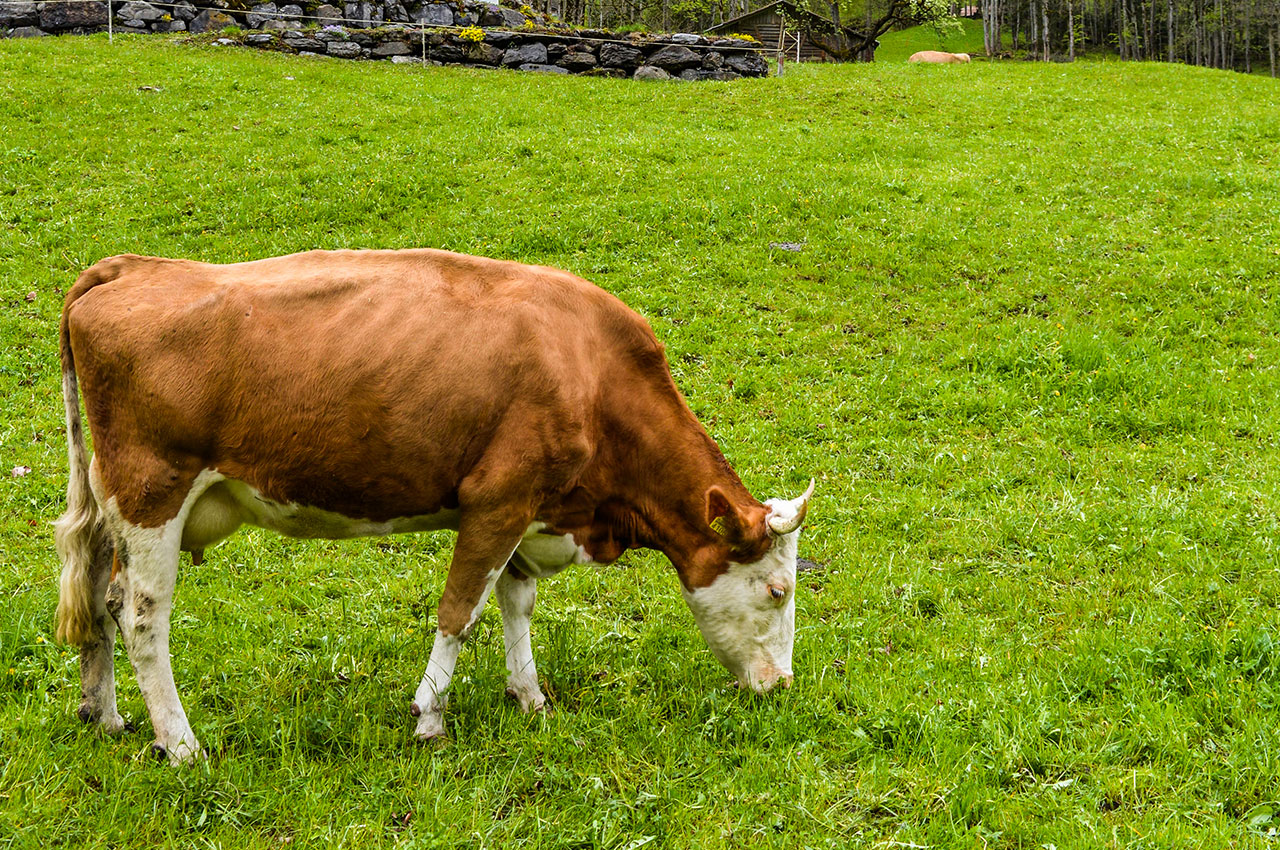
[(141, 598), (516, 595), (430, 699)]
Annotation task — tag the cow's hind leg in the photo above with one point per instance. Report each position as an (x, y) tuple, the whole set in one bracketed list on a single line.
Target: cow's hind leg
[(140, 597), (97, 654), (516, 595), (485, 543)]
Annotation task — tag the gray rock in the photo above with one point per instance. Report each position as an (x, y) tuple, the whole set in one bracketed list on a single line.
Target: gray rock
[(170, 26), (139, 11), (545, 69), (281, 26), (493, 15), (211, 19), (332, 33), (390, 48), (66, 14), (447, 53), (686, 38), (226, 42), (139, 27), (556, 52), (327, 14), (576, 61), (651, 72), (434, 15), (675, 58), (747, 64), (620, 56), (483, 54), (364, 38), (615, 73), (26, 32), (292, 12), (692, 75), (396, 12), (406, 60), (711, 60), (185, 11), (258, 39), (261, 13), (344, 49), (363, 15), (19, 15), (533, 53), (302, 43)]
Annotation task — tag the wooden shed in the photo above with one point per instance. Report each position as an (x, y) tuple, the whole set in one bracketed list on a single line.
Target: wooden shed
[(803, 35)]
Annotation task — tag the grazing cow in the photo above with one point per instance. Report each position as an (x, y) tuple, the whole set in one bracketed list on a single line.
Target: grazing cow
[(938, 57), (352, 393)]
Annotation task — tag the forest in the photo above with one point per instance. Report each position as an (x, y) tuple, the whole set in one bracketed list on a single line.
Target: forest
[(1241, 35)]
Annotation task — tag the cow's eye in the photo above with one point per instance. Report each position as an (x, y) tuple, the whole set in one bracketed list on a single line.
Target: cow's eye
[(776, 592)]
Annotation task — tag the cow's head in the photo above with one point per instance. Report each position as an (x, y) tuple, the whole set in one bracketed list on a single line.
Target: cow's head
[(747, 614)]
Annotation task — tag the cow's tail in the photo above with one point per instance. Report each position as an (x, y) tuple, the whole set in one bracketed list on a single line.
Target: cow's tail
[(80, 532)]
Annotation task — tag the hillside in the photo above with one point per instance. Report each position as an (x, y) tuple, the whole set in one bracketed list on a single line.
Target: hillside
[(896, 46), (1017, 319)]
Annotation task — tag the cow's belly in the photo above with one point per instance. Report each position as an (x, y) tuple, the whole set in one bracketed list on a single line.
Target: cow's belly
[(227, 504)]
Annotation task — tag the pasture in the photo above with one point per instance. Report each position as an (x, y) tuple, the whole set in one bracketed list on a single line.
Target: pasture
[(1027, 346)]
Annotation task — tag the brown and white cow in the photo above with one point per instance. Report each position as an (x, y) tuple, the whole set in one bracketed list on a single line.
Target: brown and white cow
[(938, 57), (351, 393)]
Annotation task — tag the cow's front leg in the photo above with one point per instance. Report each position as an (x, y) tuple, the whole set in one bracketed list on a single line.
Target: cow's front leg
[(484, 546), (140, 598), (516, 595)]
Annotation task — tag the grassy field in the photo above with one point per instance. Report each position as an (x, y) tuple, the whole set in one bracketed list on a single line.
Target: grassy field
[(897, 45), (1027, 347)]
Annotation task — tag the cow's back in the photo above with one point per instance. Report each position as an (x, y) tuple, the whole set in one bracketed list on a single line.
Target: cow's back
[(367, 383)]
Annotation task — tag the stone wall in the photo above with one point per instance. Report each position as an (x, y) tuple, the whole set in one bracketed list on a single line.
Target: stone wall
[(466, 32)]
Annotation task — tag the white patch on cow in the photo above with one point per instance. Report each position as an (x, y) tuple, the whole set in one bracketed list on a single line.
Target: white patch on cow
[(541, 555), (141, 599), (431, 698), (751, 633), (516, 598)]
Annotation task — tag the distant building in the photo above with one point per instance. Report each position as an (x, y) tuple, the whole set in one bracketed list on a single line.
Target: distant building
[(803, 36)]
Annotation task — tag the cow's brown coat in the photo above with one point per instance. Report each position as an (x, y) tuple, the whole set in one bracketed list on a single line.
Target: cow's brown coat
[(385, 384)]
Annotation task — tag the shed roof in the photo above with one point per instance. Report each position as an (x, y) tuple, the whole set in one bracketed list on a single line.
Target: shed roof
[(814, 20)]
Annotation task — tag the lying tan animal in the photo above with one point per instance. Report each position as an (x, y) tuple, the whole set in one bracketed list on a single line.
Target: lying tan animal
[(938, 57)]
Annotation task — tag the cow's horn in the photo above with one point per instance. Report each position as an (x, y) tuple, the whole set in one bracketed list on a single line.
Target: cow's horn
[(786, 525)]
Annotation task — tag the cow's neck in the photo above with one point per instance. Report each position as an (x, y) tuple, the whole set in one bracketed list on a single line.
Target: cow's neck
[(662, 471)]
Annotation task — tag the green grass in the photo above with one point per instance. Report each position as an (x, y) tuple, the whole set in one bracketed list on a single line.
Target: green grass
[(897, 45), (1028, 350)]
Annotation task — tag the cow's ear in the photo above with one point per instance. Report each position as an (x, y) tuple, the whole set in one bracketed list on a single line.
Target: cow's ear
[(742, 528), (719, 511)]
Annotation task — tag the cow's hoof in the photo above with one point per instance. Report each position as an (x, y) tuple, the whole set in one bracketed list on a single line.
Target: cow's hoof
[(112, 724), (184, 752), (530, 702), (431, 729)]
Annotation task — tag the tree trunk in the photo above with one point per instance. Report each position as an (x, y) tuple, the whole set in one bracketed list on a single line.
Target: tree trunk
[(1071, 32), (1170, 4), (1044, 27)]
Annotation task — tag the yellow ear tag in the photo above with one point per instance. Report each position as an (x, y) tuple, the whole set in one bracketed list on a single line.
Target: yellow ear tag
[(717, 525)]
